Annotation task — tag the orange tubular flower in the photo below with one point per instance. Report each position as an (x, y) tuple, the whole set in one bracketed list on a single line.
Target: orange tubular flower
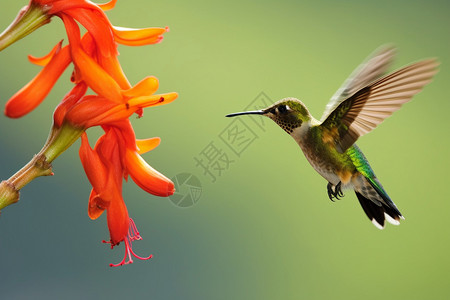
[(105, 167), (116, 154), (101, 36), (32, 94), (138, 37)]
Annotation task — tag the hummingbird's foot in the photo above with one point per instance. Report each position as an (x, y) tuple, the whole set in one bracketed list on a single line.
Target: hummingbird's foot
[(338, 190), (336, 193)]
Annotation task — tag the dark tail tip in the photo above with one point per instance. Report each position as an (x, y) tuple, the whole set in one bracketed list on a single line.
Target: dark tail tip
[(378, 214)]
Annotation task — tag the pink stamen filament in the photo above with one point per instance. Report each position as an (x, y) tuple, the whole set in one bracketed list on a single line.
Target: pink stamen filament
[(133, 232), (133, 235)]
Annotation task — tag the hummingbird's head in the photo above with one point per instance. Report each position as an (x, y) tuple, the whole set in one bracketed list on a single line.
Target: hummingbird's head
[(288, 113)]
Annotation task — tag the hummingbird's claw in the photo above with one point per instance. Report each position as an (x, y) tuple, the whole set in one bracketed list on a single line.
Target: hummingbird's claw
[(338, 190), (336, 193), (330, 191)]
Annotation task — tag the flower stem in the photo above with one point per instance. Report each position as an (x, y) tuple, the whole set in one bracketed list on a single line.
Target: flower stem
[(58, 141), (30, 18)]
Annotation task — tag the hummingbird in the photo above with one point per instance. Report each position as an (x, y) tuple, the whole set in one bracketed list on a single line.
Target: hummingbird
[(365, 99)]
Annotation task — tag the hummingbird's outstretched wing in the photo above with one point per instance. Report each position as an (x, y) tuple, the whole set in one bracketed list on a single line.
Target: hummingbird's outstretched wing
[(375, 66), (369, 106)]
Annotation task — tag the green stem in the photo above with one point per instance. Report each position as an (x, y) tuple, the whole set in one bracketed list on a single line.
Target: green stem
[(30, 18), (59, 140)]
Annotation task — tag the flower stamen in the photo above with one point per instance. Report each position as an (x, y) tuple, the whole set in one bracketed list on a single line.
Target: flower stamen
[(133, 235)]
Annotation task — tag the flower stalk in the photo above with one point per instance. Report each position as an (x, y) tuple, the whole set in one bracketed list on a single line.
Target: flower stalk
[(58, 141), (29, 18)]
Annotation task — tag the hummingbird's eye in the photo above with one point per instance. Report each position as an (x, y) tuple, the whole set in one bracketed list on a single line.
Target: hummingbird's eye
[(283, 108)]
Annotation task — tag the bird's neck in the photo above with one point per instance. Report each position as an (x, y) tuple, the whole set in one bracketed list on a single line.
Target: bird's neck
[(300, 133)]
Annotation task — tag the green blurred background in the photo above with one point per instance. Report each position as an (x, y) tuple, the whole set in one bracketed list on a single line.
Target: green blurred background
[(265, 228)]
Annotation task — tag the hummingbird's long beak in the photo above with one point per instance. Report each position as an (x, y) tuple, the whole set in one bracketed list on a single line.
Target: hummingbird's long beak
[(253, 112)]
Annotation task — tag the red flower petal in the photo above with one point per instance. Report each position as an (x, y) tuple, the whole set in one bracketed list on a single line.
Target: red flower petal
[(147, 144), (95, 111), (153, 100), (107, 6), (68, 102), (138, 37), (32, 94), (145, 87), (96, 205), (112, 66), (95, 169), (97, 24), (44, 60), (96, 78), (90, 111), (58, 6), (125, 136), (146, 177), (118, 220)]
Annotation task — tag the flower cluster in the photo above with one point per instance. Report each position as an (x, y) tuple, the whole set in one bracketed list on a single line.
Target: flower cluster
[(116, 154)]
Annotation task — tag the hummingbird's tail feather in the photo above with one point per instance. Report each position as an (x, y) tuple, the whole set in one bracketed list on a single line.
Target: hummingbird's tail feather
[(378, 213), (376, 185)]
